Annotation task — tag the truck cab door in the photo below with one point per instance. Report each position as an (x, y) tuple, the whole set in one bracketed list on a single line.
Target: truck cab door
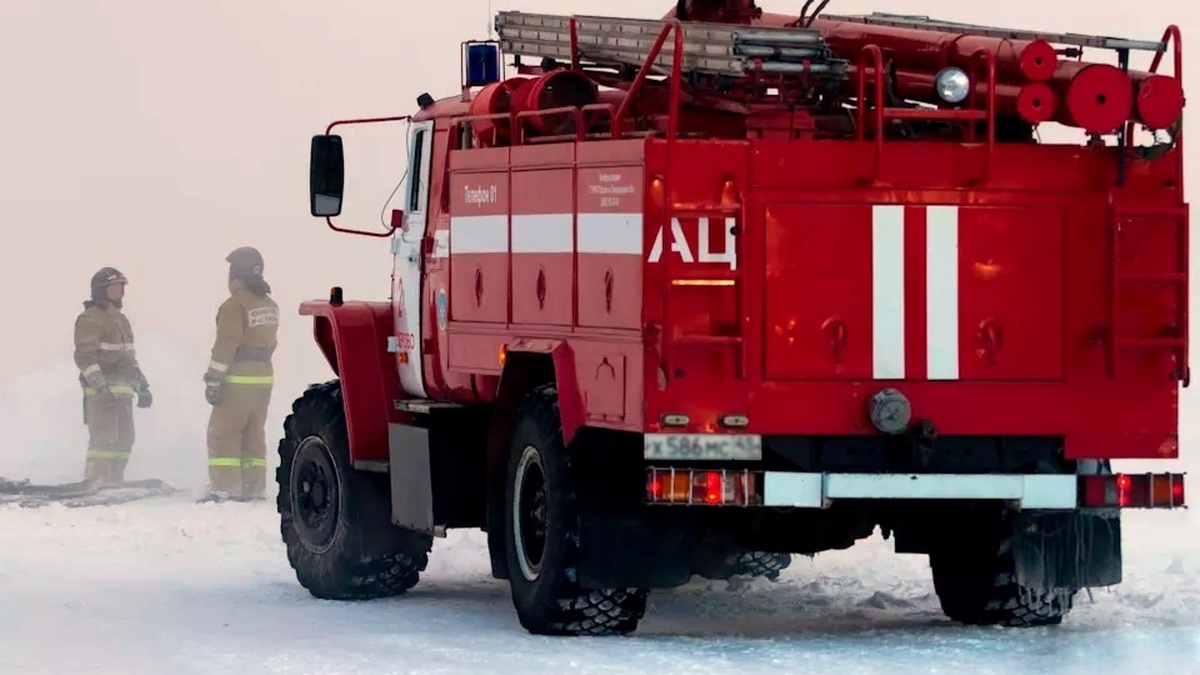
[(406, 262)]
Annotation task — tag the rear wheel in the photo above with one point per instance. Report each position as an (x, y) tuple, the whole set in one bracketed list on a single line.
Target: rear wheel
[(751, 564), (542, 535), (974, 574), (335, 520)]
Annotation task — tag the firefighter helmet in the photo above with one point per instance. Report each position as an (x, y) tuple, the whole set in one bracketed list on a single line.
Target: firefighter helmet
[(102, 279), (245, 262)]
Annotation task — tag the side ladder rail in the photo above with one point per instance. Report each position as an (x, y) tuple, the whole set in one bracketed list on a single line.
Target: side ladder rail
[(727, 279), (1177, 217)]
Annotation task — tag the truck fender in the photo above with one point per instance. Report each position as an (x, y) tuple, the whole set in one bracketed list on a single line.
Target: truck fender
[(353, 338), (528, 363)]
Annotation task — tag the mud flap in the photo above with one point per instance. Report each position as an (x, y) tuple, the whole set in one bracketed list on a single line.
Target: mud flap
[(624, 543), (649, 550), (25, 494), (1070, 550)]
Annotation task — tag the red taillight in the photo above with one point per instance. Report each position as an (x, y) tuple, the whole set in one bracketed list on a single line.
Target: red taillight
[(1137, 491), (714, 487), (695, 486), (1123, 485)]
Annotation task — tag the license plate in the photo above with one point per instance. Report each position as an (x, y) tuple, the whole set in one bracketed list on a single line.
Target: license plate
[(711, 447)]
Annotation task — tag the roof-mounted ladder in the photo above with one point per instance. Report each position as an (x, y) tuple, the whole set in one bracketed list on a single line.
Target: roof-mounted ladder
[(926, 23), (708, 48)]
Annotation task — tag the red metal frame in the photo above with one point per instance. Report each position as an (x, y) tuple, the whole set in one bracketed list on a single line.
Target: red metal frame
[(882, 113), (1173, 34), (1178, 277), (640, 79), (367, 120)]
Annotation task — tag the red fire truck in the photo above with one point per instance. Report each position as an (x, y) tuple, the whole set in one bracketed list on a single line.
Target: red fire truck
[(705, 291)]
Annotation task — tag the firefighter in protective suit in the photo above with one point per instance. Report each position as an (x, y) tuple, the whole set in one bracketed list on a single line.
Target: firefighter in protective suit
[(110, 377), (239, 380)]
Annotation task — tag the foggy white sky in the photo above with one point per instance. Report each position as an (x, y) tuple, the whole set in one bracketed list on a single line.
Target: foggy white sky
[(156, 136)]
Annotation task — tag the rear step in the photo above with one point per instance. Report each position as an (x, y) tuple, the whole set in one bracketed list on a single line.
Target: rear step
[(425, 406)]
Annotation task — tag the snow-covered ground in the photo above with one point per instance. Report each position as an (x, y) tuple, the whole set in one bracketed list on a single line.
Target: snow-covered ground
[(170, 586)]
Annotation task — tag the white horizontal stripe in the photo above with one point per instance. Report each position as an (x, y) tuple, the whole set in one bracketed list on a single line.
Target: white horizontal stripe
[(941, 292), (219, 367), (599, 233), (887, 270), (610, 233), (810, 490), (116, 346), (544, 233), (479, 234), (94, 368)]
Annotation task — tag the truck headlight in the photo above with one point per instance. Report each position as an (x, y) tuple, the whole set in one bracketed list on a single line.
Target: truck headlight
[(952, 85)]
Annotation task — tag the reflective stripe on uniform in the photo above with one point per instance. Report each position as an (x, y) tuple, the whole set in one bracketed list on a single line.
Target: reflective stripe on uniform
[(115, 388), (218, 367), (94, 368), (107, 454), (116, 346), (249, 379), (236, 461)]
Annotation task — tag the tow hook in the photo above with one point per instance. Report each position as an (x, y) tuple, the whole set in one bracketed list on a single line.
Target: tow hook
[(924, 432), (924, 440)]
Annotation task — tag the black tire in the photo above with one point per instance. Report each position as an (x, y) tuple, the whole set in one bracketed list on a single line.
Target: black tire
[(542, 535), (756, 564), (722, 559), (335, 520), (974, 574)]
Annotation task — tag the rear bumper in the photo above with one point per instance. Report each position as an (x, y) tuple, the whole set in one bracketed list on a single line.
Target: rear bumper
[(814, 490)]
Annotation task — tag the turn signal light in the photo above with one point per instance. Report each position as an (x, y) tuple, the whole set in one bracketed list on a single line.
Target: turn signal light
[(691, 486), (1134, 491)]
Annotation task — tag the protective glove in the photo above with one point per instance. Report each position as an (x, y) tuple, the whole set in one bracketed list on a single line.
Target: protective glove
[(145, 398), (212, 392)]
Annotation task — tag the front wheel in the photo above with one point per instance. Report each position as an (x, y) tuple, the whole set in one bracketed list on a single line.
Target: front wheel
[(335, 520), (542, 535)]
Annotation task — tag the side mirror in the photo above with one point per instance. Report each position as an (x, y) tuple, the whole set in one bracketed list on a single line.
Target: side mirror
[(326, 176)]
